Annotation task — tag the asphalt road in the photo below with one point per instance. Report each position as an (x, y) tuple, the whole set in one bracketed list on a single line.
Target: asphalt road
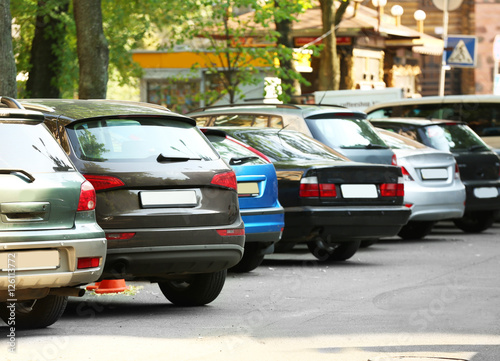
[(434, 299)]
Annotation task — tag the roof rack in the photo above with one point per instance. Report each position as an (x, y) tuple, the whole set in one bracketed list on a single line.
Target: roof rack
[(11, 102)]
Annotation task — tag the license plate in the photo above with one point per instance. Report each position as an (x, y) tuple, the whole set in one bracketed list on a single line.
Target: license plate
[(248, 188), (359, 191), (486, 192), (29, 260), (434, 173), (178, 198)]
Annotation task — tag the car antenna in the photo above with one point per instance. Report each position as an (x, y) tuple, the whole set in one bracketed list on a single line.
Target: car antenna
[(323, 97)]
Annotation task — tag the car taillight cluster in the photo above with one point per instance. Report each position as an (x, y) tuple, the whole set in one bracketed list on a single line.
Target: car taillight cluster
[(394, 160), (457, 172), (406, 175), (101, 182), (87, 199), (392, 190), (226, 179), (310, 187)]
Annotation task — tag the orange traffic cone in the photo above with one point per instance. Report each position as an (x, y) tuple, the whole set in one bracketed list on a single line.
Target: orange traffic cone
[(111, 286), (93, 287)]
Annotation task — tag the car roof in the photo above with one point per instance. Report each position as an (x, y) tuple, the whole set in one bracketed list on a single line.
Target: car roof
[(468, 98), (77, 109), (305, 109), (420, 122)]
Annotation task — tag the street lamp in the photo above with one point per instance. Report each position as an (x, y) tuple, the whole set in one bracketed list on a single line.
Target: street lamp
[(420, 16), (397, 11), (379, 4)]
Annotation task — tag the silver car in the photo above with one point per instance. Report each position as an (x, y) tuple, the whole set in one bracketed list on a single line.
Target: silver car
[(433, 189)]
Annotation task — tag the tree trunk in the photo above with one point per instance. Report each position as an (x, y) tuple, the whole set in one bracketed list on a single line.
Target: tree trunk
[(8, 85), (92, 48), (46, 65), (329, 69)]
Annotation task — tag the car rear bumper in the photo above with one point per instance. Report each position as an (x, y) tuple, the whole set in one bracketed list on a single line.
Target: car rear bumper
[(301, 223), (481, 195), (263, 224), (435, 203)]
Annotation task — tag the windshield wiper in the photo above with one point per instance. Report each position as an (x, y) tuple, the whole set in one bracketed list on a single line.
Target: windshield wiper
[(474, 148), (163, 159), (241, 160), (376, 146)]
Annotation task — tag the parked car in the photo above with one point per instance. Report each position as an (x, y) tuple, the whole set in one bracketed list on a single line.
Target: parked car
[(166, 200), (330, 202), (260, 209), (50, 242), (479, 166), (433, 189), (480, 112), (344, 130)]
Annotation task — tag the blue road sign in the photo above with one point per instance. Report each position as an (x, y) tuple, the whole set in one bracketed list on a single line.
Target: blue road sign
[(461, 51)]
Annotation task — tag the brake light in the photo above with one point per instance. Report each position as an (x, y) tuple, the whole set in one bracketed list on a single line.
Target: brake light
[(101, 182), (227, 179), (88, 262), (231, 232), (406, 176), (457, 172), (119, 236), (310, 188), (392, 190), (394, 160), (87, 199)]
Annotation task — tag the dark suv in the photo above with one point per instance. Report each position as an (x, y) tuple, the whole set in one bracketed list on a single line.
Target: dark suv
[(479, 166), (50, 242), (346, 131), (166, 200)]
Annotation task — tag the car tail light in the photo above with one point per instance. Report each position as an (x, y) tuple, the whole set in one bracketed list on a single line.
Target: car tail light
[(119, 236), (87, 199), (408, 205), (88, 262), (227, 179), (392, 189), (394, 160), (101, 182), (231, 232), (457, 172), (406, 176), (311, 188)]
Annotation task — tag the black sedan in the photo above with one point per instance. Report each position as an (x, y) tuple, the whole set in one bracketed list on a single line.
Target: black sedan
[(479, 166), (331, 203)]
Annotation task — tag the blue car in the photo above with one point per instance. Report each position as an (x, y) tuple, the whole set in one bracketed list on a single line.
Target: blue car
[(260, 209)]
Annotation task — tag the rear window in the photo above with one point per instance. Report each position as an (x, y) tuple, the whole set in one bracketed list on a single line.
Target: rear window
[(456, 137), (345, 133), (396, 141), (137, 140), (234, 153), (31, 147), (249, 120)]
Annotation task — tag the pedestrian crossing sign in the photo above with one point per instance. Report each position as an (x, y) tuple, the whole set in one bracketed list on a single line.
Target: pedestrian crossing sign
[(461, 51)]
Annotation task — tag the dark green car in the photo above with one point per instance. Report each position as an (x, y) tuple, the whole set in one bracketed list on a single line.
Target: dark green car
[(50, 242)]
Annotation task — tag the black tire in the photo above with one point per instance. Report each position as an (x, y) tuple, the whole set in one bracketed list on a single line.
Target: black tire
[(35, 313), (329, 252), (252, 258), (198, 290), (416, 229), (476, 222)]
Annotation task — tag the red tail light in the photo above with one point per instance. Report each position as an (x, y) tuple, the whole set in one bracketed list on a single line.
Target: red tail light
[(88, 262), (227, 179), (310, 188), (119, 236), (457, 172), (392, 190), (231, 232), (406, 176), (394, 160), (101, 182), (87, 199)]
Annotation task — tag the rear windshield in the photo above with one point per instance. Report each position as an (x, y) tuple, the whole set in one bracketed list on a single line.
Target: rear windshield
[(249, 120), (345, 133), (396, 141), (456, 137), (234, 153), (32, 148), (137, 140), (287, 145)]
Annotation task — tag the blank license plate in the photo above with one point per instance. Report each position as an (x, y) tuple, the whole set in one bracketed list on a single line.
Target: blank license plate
[(436, 173), (154, 199), (29, 260), (248, 188), (486, 192), (359, 191)]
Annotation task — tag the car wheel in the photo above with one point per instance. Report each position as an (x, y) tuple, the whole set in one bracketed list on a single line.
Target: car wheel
[(330, 251), (416, 229), (252, 258), (475, 222), (197, 290), (34, 313)]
